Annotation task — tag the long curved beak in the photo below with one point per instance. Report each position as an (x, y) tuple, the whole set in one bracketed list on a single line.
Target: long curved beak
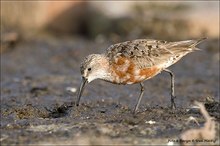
[(82, 85)]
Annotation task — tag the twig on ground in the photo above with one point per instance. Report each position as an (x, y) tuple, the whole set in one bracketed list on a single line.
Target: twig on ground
[(205, 134)]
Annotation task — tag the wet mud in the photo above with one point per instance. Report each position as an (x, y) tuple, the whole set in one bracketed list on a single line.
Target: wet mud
[(38, 108)]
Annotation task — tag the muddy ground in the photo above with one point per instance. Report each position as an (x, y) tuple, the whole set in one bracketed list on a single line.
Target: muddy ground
[(37, 107)]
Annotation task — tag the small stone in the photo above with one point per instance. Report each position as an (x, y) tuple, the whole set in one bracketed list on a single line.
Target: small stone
[(71, 89), (150, 122)]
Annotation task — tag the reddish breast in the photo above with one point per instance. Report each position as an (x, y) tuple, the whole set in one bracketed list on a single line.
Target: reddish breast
[(124, 71)]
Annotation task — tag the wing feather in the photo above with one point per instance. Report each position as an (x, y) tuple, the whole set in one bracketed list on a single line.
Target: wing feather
[(147, 53), (144, 53)]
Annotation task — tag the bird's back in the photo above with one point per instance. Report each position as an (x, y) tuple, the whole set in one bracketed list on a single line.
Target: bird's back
[(145, 53)]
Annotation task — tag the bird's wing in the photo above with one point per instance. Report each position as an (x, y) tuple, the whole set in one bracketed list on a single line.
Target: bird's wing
[(144, 53), (147, 53)]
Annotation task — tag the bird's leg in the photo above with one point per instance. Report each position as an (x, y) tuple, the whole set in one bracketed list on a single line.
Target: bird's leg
[(139, 98), (173, 105)]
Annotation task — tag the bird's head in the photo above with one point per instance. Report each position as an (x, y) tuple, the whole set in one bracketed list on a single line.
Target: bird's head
[(94, 66)]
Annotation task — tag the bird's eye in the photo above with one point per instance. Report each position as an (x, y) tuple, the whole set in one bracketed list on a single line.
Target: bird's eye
[(89, 69)]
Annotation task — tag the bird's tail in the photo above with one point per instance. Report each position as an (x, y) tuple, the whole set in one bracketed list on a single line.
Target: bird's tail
[(196, 42), (179, 49), (188, 45)]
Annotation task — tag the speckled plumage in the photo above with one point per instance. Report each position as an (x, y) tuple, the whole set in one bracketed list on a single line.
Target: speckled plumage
[(135, 61), (147, 53)]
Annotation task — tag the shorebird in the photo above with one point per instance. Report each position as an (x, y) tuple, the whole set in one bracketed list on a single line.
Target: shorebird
[(135, 61)]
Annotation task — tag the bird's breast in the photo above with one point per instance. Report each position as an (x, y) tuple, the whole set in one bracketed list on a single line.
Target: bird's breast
[(124, 71)]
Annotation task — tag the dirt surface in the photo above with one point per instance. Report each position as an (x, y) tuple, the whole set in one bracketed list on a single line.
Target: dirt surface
[(38, 108)]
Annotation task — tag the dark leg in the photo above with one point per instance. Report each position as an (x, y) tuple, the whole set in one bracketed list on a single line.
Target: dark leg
[(173, 105), (139, 98)]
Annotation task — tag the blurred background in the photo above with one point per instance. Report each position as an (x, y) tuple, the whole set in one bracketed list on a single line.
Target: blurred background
[(44, 42), (75, 29), (112, 21)]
